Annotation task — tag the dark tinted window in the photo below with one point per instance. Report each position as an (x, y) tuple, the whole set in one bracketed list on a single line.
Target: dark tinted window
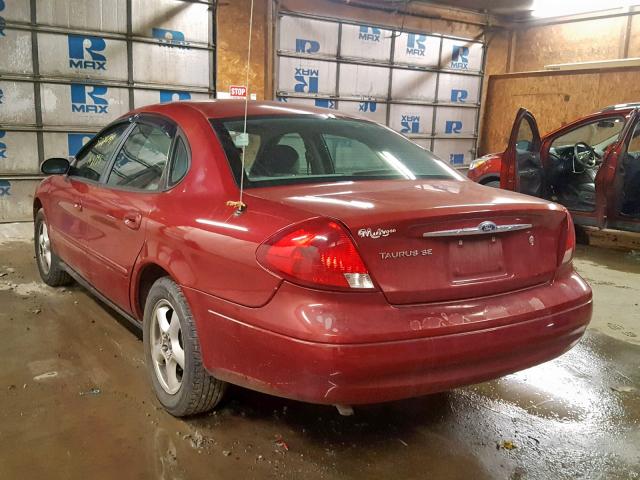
[(309, 148), (180, 162), (92, 162), (142, 158)]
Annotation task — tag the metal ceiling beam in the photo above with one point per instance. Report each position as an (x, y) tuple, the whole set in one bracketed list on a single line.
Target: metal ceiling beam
[(427, 10)]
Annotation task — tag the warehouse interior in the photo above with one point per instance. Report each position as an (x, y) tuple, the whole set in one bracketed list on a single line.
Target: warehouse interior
[(448, 75)]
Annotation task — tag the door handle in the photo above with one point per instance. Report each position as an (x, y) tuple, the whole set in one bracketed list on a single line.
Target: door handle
[(132, 220), (77, 205)]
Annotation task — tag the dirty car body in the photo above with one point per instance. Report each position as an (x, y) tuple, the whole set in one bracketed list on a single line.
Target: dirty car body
[(362, 269)]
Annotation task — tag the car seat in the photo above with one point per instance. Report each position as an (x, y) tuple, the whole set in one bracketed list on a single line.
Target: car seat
[(276, 161)]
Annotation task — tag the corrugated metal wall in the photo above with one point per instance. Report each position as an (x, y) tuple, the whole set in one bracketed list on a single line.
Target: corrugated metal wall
[(426, 86), (69, 67)]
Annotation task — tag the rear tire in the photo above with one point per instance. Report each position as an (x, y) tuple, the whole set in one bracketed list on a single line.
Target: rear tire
[(172, 353), (493, 183), (48, 262)]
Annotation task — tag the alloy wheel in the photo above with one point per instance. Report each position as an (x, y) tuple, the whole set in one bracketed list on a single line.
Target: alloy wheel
[(167, 348), (44, 248)]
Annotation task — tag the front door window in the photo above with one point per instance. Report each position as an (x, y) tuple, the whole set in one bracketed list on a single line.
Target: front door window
[(530, 174), (92, 162), (524, 140)]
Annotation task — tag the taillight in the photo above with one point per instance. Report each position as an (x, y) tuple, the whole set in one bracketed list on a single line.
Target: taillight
[(567, 252), (317, 253)]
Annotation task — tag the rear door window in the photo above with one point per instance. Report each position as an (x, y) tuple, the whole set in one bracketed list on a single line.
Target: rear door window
[(141, 161), (629, 169)]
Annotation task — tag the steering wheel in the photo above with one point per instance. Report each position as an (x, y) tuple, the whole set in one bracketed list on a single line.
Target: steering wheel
[(585, 155)]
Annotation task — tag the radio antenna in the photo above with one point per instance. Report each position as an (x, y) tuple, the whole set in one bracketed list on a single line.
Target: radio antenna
[(243, 141)]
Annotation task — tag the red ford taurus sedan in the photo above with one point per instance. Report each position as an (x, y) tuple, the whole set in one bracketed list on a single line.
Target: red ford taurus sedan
[(355, 268)]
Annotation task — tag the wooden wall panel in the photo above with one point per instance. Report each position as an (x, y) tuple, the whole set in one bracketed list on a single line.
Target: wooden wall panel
[(497, 58), (634, 37), (496, 62), (233, 34), (588, 40), (555, 98)]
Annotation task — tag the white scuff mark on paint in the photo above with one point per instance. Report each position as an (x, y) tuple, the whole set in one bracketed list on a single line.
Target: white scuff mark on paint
[(45, 376), (332, 385)]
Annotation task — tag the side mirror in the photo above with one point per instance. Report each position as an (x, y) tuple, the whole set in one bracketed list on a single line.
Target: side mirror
[(55, 166)]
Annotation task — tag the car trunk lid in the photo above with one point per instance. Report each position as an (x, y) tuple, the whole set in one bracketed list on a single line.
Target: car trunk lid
[(440, 240)]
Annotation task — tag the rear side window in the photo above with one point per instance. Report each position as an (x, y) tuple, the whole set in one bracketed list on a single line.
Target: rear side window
[(92, 163), (142, 159), (180, 163)]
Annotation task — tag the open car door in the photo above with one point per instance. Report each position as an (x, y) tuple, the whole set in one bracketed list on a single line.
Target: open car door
[(617, 178), (521, 166)]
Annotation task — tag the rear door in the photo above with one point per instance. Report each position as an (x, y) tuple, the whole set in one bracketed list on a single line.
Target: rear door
[(619, 180), (521, 165), (117, 208)]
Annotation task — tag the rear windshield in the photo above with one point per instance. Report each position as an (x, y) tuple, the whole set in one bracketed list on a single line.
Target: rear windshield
[(319, 148)]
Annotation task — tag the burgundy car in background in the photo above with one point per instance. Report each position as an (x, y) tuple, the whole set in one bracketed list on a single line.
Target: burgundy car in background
[(591, 166), (360, 268), (486, 170)]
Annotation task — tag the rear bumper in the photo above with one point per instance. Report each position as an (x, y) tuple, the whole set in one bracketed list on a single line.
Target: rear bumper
[(333, 370)]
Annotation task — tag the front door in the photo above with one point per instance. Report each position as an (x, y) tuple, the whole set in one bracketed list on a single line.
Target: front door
[(66, 216), (117, 208), (521, 166)]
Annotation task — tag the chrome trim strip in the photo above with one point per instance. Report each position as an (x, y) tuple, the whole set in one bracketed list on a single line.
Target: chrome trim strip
[(462, 232)]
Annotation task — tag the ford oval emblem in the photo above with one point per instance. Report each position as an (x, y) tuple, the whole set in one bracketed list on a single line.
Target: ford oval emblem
[(487, 227)]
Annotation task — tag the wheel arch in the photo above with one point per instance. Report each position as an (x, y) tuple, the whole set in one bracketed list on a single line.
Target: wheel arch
[(37, 205), (489, 178), (144, 278)]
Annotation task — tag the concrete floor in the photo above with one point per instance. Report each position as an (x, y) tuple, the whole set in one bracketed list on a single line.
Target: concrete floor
[(75, 403)]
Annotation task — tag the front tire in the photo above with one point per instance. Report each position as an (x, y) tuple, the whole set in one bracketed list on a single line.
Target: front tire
[(172, 353), (48, 262), (493, 183)]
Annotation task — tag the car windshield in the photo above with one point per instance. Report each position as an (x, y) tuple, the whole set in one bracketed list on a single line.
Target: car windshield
[(599, 134), (319, 148)]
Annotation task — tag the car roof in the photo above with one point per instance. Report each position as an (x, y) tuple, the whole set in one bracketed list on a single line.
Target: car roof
[(227, 108), (620, 106)]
